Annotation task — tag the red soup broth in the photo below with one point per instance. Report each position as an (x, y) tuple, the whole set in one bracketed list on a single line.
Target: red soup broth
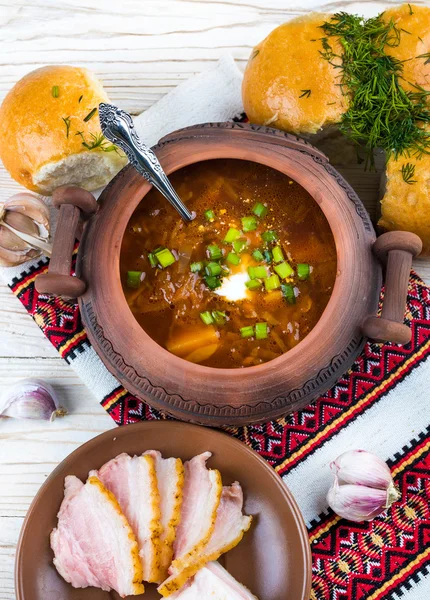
[(241, 284)]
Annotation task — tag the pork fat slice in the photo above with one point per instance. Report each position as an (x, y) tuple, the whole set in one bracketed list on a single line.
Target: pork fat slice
[(170, 479), (213, 582), (93, 542), (230, 525), (133, 481), (201, 497)]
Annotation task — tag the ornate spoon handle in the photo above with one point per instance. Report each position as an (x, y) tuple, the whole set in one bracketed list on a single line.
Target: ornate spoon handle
[(118, 127)]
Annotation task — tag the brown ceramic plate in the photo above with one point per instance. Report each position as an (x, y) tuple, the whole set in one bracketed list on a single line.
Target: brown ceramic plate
[(273, 560)]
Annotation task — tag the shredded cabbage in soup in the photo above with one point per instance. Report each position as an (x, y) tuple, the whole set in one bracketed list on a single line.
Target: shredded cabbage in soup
[(245, 281)]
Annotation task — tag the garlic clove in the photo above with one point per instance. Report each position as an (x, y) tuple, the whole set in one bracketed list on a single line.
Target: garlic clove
[(23, 217), (31, 399), (12, 242), (8, 258), (362, 468), (356, 502), (32, 207), (21, 222)]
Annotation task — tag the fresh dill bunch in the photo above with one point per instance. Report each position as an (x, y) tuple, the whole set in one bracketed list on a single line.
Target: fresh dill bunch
[(381, 113)]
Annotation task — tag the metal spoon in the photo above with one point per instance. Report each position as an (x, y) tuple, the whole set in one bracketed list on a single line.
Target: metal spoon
[(117, 126)]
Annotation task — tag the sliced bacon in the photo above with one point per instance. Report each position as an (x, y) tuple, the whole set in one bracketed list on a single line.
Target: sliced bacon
[(213, 582), (93, 542), (170, 480), (230, 525), (133, 481), (201, 497)]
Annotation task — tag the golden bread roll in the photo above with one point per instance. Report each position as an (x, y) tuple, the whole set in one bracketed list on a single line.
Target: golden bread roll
[(413, 45), (288, 84), (406, 206), (50, 133)]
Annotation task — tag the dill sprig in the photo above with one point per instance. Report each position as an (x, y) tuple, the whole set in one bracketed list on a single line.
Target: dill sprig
[(381, 113), (408, 172), (67, 124), (426, 56), (97, 140), (305, 93)]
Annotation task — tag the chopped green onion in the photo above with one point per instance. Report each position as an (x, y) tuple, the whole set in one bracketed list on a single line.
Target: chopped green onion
[(55, 91), (196, 267), (239, 245), (272, 283), (212, 282), (133, 279), (90, 115), (268, 256), (260, 210), (213, 268), (231, 235), (269, 236), (253, 284), (233, 258), (261, 331), (288, 293), (219, 317), (249, 223), (209, 215), (257, 272), (277, 254), (303, 271), (165, 257), (258, 255), (283, 270), (152, 259), (247, 332), (206, 317), (214, 252)]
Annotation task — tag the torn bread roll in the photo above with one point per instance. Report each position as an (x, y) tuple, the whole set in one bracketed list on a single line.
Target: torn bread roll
[(288, 85), (405, 204), (50, 133)]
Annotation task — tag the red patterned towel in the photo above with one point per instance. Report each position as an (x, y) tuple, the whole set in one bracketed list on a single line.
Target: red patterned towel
[(381, 404)]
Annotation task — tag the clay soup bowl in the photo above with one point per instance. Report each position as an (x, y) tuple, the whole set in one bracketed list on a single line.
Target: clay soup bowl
[(232, 396)]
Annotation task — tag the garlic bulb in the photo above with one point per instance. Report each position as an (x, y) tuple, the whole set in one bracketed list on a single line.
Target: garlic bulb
[(363, 486), (24, 229), (31, 399)]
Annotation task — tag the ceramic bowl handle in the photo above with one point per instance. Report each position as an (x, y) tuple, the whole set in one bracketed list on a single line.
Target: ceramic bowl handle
[(73, 203), (395, 250)]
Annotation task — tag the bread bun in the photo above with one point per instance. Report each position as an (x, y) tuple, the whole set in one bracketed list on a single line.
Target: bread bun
[(39, 123), (415, 20), (406, 206), (280, 70)]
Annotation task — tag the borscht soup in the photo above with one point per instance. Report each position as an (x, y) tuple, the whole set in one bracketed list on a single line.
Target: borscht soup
[(241, 284)]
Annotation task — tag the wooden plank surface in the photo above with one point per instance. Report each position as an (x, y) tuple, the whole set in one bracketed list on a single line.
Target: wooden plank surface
[(141, 50)]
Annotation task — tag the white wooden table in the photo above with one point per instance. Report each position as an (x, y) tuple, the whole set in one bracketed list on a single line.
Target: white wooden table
[(140, 49)]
